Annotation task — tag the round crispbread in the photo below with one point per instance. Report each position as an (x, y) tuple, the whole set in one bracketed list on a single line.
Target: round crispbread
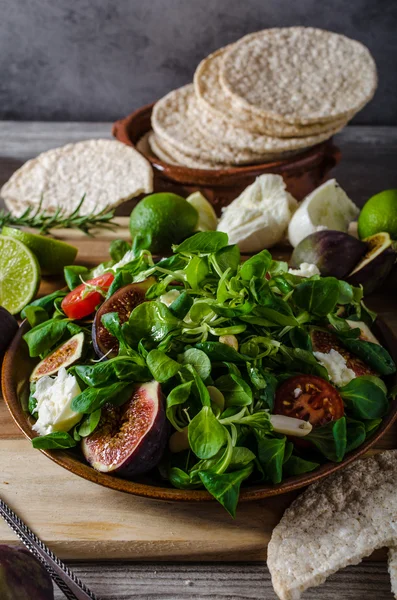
[(168, 153), (171, 123), (334, 523), (216, 106), (107, 172), (239, 138), (299, 74), (147, 145), (174, 125)]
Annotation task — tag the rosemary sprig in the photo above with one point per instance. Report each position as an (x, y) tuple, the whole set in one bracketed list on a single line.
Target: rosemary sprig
[(45, 221)]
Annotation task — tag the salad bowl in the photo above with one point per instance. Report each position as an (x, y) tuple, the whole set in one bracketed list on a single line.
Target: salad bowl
[(17, 367)]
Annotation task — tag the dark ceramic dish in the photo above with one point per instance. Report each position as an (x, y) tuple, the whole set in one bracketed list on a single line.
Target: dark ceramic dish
[(302, 173), (17, 367)]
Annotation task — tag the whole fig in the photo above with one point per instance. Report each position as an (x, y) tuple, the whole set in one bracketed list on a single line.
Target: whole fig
[(22, 577)]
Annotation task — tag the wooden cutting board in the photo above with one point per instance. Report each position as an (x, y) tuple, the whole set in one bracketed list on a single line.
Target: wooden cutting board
[(81, 520)]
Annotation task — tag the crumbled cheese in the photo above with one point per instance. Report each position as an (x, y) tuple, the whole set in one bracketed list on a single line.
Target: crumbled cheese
[(169, 297), (297, 392), (54, 396), (305, 270), (335, 364)]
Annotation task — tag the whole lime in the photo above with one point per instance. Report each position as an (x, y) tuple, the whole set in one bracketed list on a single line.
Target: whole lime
[(379, 214), (162, 220)]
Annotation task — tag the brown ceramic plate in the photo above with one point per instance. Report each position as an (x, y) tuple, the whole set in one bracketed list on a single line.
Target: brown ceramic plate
[(17, 367), (302, 172)]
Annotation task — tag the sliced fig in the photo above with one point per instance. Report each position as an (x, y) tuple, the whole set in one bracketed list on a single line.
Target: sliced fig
[(325, 341), (122, 302), (376, 265), (8, 328), (63, 356), (335, 253), (130, 439)]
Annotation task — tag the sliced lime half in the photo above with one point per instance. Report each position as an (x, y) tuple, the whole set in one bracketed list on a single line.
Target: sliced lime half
[(53, 255), (19, 274)]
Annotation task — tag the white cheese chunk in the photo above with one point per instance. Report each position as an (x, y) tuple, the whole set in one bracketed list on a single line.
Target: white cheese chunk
[(169, 297), (54, 396), (259, 217), (338, 371), (305, 270)]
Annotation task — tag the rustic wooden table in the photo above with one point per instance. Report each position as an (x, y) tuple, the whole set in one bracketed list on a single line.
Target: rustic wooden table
[(368, 165)]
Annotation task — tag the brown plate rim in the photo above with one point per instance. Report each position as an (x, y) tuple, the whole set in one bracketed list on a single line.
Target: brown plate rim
[(257, 492)]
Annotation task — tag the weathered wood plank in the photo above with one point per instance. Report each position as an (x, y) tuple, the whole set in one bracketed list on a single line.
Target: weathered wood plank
[(223, 582)]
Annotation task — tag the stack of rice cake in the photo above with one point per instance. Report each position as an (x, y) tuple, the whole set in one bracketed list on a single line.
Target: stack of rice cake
[(272, 94)]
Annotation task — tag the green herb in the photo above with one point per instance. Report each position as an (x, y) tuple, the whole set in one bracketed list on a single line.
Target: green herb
[(91, 399), (226, 487), (161, 366), (330, 439), (365, 397), (296, 465), (60, 219), (59, 440), (206, 434)]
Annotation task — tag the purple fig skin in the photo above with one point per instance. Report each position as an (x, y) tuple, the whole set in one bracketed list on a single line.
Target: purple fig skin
[(22, 577), (8, 328), (334, 252), (123, 301), (130, 439), (375, 272)]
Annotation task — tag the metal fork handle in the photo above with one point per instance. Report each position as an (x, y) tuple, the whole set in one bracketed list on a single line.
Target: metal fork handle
[(65, 579)]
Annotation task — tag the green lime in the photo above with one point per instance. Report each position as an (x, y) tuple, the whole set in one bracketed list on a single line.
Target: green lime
[(379, 214), (52, 255), (19, 275), (207, 221), (163, 219)]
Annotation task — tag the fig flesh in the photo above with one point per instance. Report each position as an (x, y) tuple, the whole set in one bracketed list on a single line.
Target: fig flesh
[(123, 302), (8, 328), (130, 439), (375, 265), (335, 253), (22, 577), (63, 356), (325, 341)]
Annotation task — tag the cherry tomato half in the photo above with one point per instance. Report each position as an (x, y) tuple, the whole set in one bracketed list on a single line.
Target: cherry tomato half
[(81, 302), (309, 398)]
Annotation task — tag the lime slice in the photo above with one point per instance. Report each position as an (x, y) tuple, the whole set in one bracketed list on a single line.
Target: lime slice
[(19, 275), (207, 221), (379, 214), (163, 219), (52, 255)]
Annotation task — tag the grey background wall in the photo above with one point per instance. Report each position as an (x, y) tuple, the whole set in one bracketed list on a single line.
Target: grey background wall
[(100, 59)]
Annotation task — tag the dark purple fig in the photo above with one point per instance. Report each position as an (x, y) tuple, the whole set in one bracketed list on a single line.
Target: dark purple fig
[(22, 577), (376, 265), (63, 356), (123, 303), (8, 328), (130, 439), (335, 253)]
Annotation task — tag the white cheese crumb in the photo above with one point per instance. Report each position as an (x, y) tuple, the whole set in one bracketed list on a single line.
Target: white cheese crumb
[(335, 364), (169, 297), (54, 396), (297, 392), (305, 270)]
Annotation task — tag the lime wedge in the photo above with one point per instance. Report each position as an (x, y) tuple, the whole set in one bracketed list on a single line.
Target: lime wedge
[(52, 255), (19, 275), (207, 220)]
